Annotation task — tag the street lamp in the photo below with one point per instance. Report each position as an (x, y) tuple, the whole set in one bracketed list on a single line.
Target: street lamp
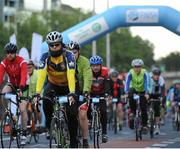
[(94, 42), (108, 56)]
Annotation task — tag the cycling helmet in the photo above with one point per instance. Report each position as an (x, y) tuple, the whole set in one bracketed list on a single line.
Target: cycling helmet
[(54, 37), (95, 60), (10, 47), (137, 62), (73, 46), (114, 73), (156, 71)]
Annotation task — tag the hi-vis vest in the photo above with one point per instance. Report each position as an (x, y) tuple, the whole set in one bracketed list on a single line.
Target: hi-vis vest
[(137, 81)]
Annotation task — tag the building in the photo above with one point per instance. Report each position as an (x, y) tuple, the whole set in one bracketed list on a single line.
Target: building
[(9, 8)]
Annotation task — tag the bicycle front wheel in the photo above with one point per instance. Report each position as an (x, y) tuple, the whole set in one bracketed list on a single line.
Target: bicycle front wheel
[(138, 129), (115, 123), (57, 135), (8, 134), (151, 121), (96, 132)]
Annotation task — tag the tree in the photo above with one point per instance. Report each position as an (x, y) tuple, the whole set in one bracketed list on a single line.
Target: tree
[(3, 40), (171, 62), (124, 47)]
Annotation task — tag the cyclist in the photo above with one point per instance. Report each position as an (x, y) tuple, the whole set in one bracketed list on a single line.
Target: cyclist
[(16, 68), (175, 95), (60, 66), (84, 74), (117, 89), (137, 82), (100, 88), (157, 91), (32, 81)]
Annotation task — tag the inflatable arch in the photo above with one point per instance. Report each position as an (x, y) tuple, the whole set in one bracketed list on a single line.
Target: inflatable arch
[(122, 16)]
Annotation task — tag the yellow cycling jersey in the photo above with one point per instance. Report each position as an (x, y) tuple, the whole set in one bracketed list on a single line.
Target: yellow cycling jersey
[(59, 70)]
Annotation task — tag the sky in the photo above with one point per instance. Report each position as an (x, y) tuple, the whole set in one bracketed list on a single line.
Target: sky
[(164, 40)]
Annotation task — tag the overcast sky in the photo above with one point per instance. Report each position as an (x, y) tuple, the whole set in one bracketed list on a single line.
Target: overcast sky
[(164, 40)]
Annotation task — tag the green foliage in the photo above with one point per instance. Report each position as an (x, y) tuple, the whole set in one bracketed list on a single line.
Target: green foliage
[(171, 62), (124, 47), (35, 23)]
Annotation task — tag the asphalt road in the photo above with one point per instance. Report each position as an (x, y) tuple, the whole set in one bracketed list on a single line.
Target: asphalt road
[(168, 138)]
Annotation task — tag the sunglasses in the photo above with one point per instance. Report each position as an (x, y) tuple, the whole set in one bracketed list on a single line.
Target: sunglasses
[(75, 52), (54, 45), (11, 52), (137, 66)]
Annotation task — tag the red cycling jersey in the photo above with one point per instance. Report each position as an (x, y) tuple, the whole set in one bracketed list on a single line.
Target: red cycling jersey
[(105, 72), (98, 82), (16, 70)]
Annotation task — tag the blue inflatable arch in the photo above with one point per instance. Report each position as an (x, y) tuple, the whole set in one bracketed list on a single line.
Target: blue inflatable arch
[(122, 16)]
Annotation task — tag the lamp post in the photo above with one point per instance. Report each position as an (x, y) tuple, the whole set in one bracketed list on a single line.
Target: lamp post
[(108, 56), (2, 11), (94, 42)]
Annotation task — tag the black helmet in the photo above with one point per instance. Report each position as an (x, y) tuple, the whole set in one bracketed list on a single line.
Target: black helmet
[(30, 62), (156, 71), (114, 73), (73, 46), (10, 47)]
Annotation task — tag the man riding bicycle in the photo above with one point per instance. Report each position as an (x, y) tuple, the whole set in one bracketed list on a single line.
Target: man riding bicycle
[(117, 90), (157, 91), (175, 95), (59, 64), (137, 83), (84, 74), (16, 68), (32, 82), (100, 88)]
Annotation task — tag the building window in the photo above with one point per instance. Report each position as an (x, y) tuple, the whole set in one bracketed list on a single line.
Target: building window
[(10, 3)]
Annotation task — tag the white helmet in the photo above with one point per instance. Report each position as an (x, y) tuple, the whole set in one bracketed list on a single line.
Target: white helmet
[(54, 37), (137, 62)]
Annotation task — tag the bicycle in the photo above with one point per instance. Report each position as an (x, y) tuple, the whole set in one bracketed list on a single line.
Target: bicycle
[(33, 128), (152, 117), (176, 118), (10, 128), (138, 118), (96, 123), (59, 134)]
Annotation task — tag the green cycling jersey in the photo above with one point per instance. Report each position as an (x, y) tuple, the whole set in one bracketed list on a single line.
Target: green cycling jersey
[(84, 74), (32, 83)]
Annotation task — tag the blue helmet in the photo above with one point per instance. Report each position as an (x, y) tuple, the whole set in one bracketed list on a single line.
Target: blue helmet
[(95, 60)]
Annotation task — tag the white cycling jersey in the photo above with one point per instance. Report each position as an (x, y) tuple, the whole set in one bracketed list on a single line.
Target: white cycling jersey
[(156, 86)]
